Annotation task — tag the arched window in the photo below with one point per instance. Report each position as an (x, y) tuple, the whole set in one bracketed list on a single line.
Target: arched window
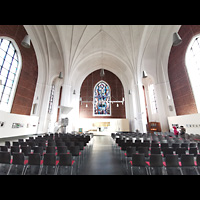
[(10, 62), (51, 98), (101, 99), (152, 98), (192, 60)]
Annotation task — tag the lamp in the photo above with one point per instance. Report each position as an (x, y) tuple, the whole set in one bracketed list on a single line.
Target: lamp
[(176, 39), (102, 73), (60, 75), (144, 74), (26, 42)]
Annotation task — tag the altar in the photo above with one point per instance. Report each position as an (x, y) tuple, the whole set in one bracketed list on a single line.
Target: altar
[(104, 126), (101, 125)]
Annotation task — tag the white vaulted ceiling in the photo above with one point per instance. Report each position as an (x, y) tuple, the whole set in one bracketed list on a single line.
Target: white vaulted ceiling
[(77, 50), (106, 46)]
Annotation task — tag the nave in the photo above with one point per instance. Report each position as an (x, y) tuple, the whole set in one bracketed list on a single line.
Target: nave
[(102, 160)]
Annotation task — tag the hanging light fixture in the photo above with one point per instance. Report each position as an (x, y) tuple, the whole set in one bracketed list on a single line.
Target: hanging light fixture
[(26, 42), (60, 75), (168, 97), (144, 74), (102, 73), (176, 39)]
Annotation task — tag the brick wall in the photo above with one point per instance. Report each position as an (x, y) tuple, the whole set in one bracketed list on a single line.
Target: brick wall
[(28, 78), (117, 92), (179, 80)]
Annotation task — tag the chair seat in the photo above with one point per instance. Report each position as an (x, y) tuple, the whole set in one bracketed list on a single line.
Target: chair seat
[(25, 161), (57, 161), (147, 162)]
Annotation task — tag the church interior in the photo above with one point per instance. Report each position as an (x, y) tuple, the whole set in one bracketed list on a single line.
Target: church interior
[(99, 81)]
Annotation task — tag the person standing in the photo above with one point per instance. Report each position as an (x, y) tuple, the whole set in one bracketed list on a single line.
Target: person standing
[(175, 131), (182, 132)]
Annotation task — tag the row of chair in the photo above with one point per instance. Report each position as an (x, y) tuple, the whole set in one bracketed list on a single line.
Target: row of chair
[(126, 155), (172, 165), (124, 144), (48, 145), (34, 165), (38, 149), (157, 150), (125, 147), (48, 154), (156, 136), (49, 141)]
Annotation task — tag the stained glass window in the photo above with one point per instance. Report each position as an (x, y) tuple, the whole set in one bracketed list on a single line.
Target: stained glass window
[(102, 98)]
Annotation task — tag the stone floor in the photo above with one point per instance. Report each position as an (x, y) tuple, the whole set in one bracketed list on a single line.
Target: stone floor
[(102, 160)]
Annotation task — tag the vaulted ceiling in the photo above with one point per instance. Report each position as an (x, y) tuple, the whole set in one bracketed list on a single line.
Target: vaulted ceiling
[(77, 50)]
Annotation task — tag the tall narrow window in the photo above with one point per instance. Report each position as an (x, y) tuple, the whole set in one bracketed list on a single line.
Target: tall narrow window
[(152, 98), (51, 98), (9, 67), (192, 60), (101, 99)]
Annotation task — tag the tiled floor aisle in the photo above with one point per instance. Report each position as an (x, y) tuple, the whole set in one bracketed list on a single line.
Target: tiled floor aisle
[(102, 160)]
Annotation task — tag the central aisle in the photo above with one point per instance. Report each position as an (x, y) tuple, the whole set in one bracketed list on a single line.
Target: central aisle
[(102, 160)]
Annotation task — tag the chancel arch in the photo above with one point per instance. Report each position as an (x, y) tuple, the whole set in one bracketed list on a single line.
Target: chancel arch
[(107, 90)]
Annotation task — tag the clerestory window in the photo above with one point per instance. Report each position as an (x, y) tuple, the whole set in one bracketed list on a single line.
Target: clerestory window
[(10, 64), (192, 60)]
